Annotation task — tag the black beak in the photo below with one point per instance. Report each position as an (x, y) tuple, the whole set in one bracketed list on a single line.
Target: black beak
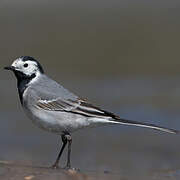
[(11, 68)]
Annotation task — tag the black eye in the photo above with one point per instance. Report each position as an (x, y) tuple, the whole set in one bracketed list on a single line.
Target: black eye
[(26, 65)]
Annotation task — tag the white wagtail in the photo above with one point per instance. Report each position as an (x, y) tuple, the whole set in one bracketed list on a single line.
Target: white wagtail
[(55, 109)]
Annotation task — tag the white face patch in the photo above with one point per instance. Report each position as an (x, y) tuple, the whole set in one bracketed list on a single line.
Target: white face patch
[(26, 67)]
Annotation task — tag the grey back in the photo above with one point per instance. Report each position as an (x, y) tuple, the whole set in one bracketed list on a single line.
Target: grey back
[(46, 88)]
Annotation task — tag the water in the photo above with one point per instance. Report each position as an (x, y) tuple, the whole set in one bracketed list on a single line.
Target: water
[(123, 58)]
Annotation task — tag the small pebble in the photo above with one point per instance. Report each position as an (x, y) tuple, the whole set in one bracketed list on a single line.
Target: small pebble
[(29, 177)]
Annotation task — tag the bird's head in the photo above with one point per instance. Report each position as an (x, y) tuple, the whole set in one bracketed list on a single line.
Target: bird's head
[(26, 67)]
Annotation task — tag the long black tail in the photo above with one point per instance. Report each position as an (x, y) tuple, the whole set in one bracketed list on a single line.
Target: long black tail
[(118, 120)]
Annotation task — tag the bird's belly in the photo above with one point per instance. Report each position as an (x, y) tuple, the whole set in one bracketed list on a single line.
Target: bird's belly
[(57, 121)]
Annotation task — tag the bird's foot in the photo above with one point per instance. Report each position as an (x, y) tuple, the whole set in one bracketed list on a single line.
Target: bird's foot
[(69, 168), (55, 166)]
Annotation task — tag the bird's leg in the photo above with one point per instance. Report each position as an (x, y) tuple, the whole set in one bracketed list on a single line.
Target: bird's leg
[(69, 140), (64, 140)]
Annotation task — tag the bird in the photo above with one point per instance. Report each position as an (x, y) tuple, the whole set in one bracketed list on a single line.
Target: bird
[(53, 108)]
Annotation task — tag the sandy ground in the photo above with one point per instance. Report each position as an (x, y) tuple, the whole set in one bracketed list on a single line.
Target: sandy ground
[(13, 171)]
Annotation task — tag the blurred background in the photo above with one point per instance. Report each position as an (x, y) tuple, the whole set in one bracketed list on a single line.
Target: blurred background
[(121, 55)]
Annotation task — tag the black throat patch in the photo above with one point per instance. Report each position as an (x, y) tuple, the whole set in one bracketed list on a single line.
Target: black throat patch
[(22, 82)]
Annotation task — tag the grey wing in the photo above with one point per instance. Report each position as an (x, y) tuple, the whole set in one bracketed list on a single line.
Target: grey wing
[(78, 106)]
